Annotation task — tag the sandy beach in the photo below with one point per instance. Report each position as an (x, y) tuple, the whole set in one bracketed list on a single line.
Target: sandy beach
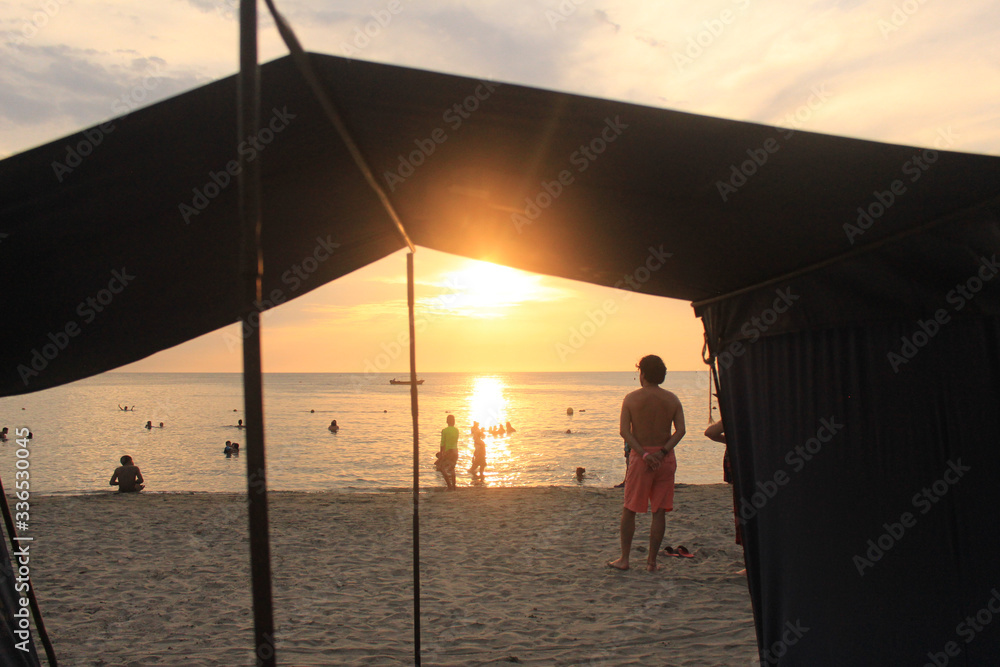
[(509, 575)]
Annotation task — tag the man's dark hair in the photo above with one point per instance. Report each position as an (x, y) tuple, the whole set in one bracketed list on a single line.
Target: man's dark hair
[(653, 368), (126, 460)]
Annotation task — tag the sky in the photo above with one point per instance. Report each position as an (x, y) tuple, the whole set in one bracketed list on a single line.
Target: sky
[(917, 72)]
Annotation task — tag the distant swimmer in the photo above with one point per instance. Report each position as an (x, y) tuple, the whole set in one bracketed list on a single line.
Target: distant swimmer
[(581, 473), (568, 431), (236, 448), (510, 429), (3, 434), (149, 424), (161, 424), (333, 426), (239, 424), (569, 411), (228, 450), (127, 477), (312, 411)]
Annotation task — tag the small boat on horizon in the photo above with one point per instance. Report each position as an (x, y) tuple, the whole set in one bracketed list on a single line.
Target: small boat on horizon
[(395, 381)]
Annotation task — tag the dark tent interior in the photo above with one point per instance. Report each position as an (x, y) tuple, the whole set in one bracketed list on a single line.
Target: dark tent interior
[(845, 286)]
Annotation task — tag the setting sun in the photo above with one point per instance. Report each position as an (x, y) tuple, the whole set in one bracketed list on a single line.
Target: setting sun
[(485, 290)]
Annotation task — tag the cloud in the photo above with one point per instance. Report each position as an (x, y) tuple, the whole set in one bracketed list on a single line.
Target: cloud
[(74, 88)]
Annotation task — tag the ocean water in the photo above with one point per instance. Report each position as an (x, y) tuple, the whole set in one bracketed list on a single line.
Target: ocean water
[(80, 432)]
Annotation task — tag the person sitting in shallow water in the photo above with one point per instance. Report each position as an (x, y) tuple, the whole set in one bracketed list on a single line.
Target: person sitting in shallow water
[(127, 477)]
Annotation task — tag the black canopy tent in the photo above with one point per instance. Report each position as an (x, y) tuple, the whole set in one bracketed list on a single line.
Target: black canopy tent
[(124, 240)]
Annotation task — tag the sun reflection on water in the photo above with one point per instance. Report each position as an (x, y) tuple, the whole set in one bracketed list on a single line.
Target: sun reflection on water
[(487, 404)]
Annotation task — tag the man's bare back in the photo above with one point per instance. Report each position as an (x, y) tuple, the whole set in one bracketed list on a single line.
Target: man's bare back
[(651, 412)]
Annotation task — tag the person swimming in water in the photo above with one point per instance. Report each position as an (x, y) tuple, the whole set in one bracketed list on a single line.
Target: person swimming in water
[(510, 429), (228, 449), (239, 424), (149, 424), (333, 426)]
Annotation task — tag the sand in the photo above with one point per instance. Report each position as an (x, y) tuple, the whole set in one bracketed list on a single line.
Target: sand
[(509, 575)]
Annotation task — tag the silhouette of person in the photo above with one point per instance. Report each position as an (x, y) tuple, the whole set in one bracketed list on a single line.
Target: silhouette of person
[(127, 477)]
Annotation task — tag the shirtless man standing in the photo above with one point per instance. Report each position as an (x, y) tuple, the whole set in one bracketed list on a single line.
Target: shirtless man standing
[(647, 416)]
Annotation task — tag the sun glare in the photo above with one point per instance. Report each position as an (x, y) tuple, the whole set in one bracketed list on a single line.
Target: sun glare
[(488, 406), (481, 289)]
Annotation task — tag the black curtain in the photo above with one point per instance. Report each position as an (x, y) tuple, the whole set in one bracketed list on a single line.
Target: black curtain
[(868, 491)]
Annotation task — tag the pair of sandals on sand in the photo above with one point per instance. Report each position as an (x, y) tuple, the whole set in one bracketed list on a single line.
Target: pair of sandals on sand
[(679, 552)]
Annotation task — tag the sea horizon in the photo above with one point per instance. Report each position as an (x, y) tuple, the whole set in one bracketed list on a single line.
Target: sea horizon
[(80, 431)]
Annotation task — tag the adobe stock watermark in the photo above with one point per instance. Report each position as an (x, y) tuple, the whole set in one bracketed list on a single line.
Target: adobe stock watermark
[(94, 136), (901, 13), (562, 12), (454, 116), (924, 500), (927, 329), (797, 459), (712, 29), (38, 20), (222, 179), (758, 325), (739, 174), (598, 317), (294, 277), (372, 28), (792, 634), (581, 158), (968, 629), (392, 349), (88, 310), (913, 168)]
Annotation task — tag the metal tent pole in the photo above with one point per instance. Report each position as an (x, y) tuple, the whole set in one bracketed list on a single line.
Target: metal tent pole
[(416, 462), (251, 269)]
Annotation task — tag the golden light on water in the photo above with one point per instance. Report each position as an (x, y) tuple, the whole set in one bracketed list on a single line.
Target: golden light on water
[(488, 406)]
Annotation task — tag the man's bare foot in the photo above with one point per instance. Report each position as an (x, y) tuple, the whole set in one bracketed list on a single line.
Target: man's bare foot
[(619, 564), (652, 567)]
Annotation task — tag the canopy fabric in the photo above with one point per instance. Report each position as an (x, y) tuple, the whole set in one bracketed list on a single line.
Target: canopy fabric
[(122, 240)]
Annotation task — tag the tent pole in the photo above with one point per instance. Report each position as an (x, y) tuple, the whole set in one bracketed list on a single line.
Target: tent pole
[(251, 268), (416, 462)]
